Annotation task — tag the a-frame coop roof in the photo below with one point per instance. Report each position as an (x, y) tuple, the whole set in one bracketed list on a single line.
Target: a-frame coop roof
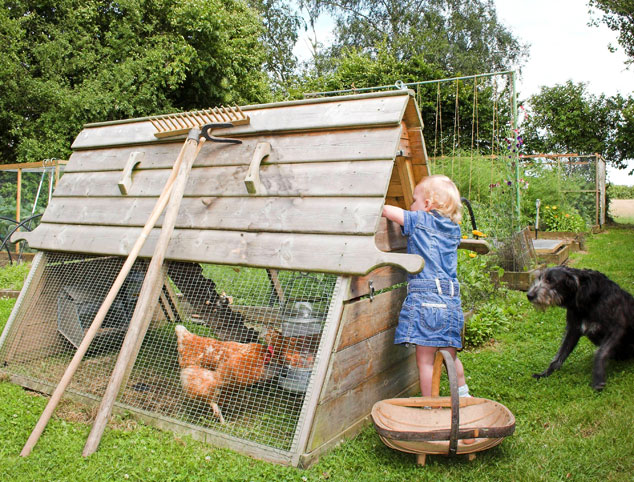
[(333, 163)]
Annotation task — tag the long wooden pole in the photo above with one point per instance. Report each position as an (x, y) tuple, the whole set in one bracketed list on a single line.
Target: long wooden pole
[(148, 295), (103, 310)]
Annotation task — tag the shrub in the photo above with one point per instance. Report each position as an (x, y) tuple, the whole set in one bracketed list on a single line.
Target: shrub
[(620, 192), (553, 218)]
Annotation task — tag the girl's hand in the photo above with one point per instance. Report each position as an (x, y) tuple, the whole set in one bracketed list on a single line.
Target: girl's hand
[(394, 213)]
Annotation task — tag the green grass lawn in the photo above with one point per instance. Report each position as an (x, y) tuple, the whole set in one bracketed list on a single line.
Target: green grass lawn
[(565, 430)]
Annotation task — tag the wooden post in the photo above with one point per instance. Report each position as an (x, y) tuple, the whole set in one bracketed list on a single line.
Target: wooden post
[(148, 295), (18, 203)]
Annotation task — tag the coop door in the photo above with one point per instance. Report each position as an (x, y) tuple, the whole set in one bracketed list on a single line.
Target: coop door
[(242, 366)]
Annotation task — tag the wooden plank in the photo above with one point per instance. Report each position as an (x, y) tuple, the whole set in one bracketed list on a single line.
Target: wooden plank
[(381, 278), (345, 254), (420, 160), (389, 236), (364, 318), (406, 176), (342, 215), (321, 368), (334, 416), (395, 189), (363, 178), (347, 145), (340, 113), (349, 369)]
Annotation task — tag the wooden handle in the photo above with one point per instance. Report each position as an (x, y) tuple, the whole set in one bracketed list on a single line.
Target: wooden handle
[(476, 245), (103, 311), (455, 402), (126, 178), (149, 294), (252, 181)]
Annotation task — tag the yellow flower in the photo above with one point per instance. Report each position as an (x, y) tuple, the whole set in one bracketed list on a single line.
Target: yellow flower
[(567, 215), (472, 255), (547, 207), (479, 233), (554, 207), (464, 236)]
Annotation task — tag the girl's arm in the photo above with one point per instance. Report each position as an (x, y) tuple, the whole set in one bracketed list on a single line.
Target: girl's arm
[(394, 213)]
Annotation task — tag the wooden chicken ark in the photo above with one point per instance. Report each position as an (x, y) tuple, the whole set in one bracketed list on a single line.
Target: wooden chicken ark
[(317, 174)]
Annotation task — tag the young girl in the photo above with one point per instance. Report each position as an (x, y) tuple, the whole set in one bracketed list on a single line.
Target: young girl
[(431, 317)]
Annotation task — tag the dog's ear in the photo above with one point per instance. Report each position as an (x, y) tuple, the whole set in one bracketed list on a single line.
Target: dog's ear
[(589, 289), (564, 281)]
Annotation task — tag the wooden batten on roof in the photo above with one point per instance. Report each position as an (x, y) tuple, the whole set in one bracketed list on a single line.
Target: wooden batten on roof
[(333, 163)]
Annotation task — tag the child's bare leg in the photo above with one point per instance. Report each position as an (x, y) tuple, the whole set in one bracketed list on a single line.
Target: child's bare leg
[(425, 360)]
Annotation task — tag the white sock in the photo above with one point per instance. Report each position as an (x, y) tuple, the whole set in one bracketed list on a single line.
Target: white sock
[(463, 391)]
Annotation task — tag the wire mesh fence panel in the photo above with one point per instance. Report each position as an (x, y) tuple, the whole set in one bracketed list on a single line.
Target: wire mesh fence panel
[(570, 183), (230, 349)]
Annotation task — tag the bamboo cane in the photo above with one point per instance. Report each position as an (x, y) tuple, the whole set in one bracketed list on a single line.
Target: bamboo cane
[(103, 310), (148, 294)]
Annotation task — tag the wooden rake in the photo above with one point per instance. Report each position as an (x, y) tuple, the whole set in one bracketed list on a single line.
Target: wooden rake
[(170, 197)]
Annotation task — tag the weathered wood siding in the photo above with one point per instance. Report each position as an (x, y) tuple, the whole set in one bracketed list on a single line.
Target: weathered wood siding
[(317, 207), (365, 367)]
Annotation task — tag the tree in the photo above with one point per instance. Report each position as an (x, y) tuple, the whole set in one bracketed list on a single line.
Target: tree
[(457, 36), (281, 25), (68, 62), (618, 15), (566, 118)]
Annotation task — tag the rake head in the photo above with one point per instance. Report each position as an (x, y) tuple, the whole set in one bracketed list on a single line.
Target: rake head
[(168, 125)]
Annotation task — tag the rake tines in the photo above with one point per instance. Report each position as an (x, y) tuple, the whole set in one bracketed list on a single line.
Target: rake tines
[(168, 125)]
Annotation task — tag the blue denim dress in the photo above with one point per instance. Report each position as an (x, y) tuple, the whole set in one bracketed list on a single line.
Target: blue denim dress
[(432, 312)]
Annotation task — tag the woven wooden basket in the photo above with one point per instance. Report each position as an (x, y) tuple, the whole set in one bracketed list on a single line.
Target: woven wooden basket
[(440, 425)]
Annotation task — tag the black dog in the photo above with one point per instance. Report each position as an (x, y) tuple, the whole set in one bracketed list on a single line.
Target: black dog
[(596, 307)]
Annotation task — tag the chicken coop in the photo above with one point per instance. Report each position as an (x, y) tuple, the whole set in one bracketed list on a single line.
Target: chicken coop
[(284, 288)]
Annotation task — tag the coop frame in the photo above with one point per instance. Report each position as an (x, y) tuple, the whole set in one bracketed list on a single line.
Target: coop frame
[(370, 287)]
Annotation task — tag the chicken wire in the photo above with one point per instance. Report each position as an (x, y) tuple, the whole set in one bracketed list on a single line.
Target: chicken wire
[(250, 342)]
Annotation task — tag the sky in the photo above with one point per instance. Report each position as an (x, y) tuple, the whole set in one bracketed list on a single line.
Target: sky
[(562, 47)]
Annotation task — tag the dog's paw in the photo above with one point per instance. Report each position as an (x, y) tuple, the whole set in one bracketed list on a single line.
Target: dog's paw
[(598, 386)]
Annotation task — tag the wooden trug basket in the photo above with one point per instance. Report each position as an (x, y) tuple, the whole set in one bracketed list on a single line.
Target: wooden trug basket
[(403, 424)]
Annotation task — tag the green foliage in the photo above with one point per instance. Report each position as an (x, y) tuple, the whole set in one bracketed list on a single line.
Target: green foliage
[(620, 192), (475, 280), (617, 15), (12, 276), (553, 218), (69, 62), (490, 319), (567, 118), (489, 302), (455, 35)]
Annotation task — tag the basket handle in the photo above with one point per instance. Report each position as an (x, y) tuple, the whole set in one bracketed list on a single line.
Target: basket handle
[(455, 400)]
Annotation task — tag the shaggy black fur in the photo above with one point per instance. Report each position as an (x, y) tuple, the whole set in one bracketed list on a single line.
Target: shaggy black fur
[(214, 308), (596, 307)]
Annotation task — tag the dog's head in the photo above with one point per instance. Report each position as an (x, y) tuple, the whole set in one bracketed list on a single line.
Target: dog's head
[(553, 287)]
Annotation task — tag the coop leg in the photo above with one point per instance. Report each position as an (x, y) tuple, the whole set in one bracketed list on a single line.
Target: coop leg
[(420, 459)]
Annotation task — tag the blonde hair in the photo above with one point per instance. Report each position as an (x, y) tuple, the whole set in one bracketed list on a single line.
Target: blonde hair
[(443, 194)]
